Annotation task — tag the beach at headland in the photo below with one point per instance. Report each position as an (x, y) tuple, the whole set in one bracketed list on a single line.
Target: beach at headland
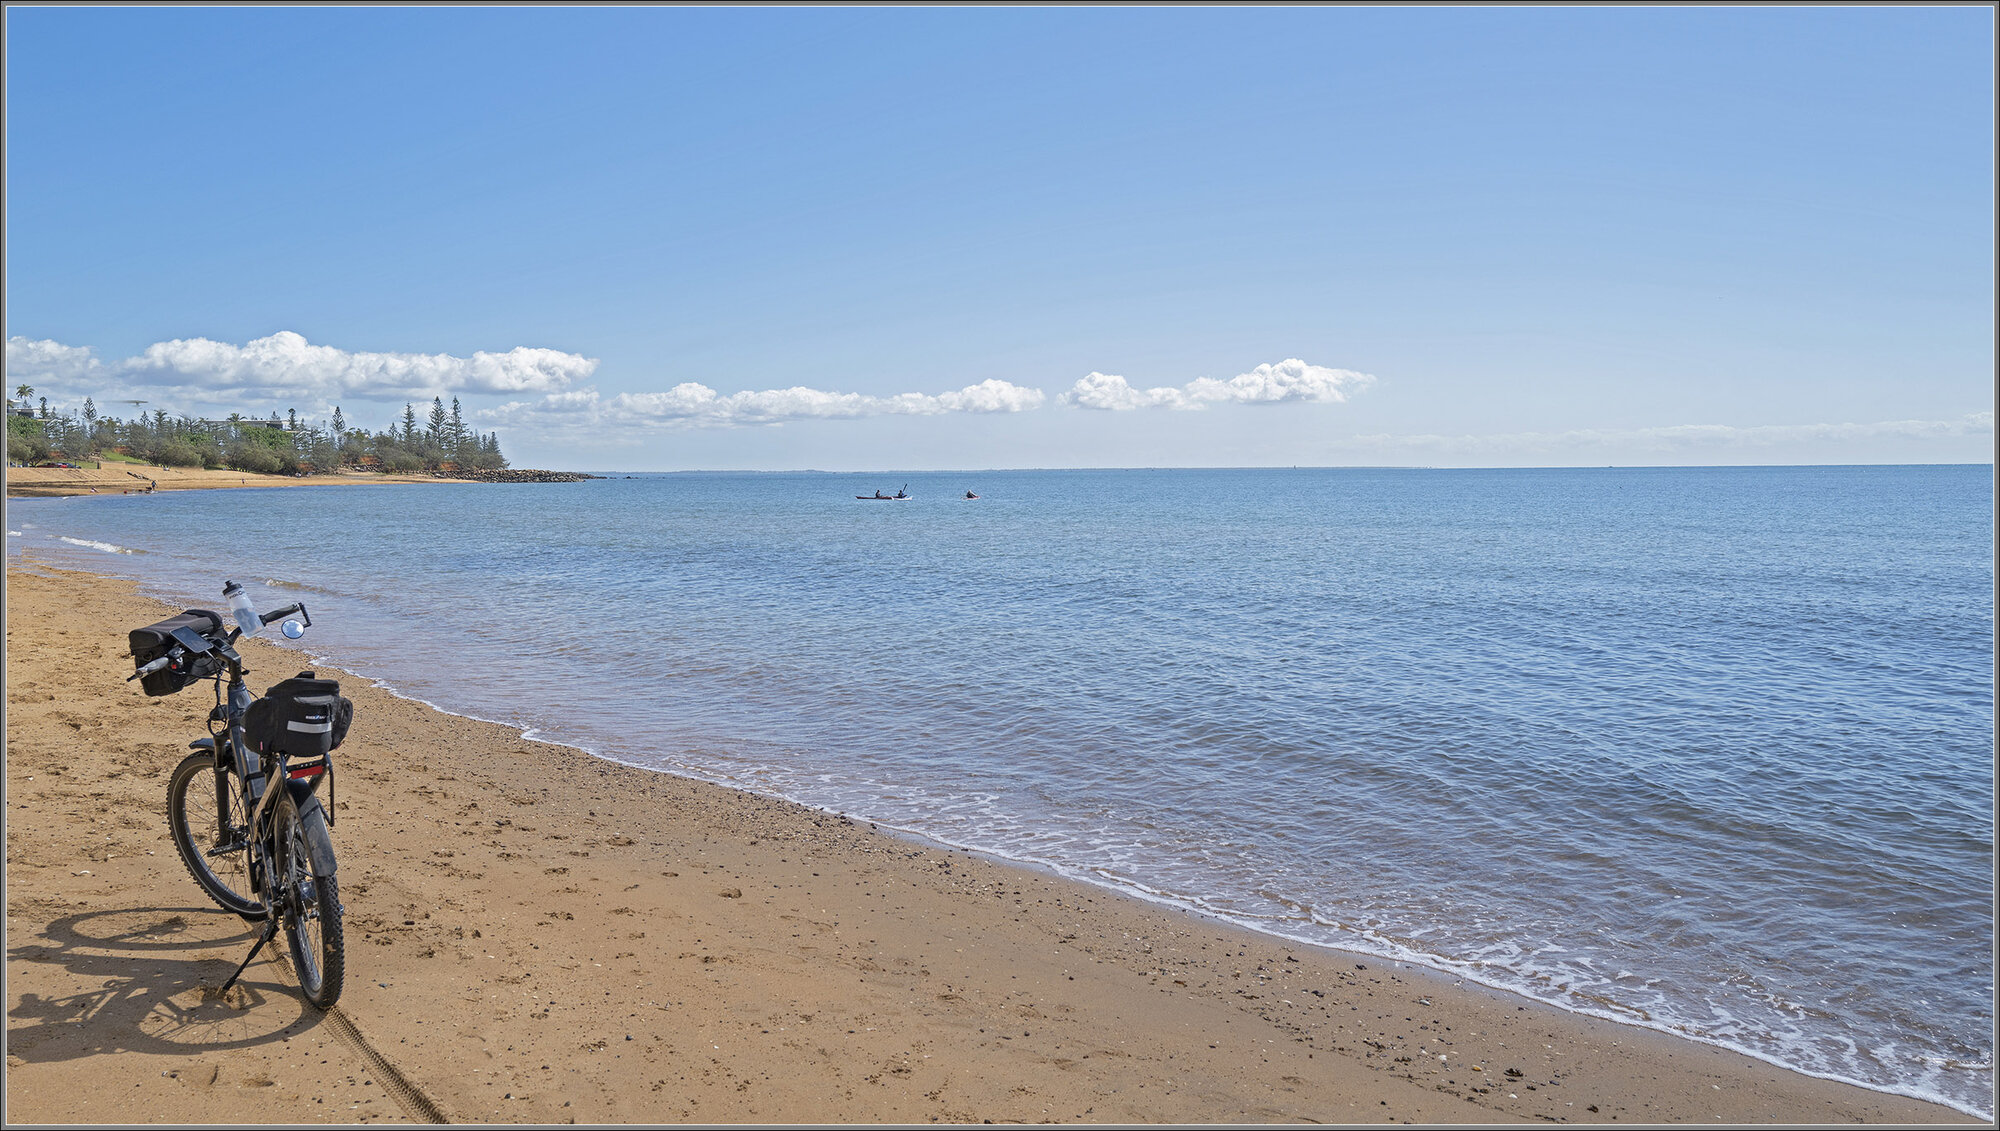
[(130, 478), (535, 935)]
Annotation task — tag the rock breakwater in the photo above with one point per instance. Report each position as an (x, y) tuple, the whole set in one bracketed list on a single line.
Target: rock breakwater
[(519, 475)]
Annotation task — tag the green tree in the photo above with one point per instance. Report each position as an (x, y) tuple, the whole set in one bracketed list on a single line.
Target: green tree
[(255, 458), (178, 452), (493, 457), (24, 446), (434, 428), (319, 449), (265, 449), (26, 440)]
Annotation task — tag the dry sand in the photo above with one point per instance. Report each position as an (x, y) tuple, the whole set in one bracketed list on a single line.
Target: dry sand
[(538, 936), (131, 478)]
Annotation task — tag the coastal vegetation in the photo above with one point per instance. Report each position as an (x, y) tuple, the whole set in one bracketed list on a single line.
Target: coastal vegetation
[(277, 445)]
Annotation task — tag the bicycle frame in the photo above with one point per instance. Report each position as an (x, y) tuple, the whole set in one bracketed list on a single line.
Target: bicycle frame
[(251, 771), (267, 866)]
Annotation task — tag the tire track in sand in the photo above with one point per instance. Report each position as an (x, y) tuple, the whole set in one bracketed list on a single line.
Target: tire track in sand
[(415, 1104)]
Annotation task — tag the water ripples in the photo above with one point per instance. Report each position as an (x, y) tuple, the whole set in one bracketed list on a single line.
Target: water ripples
[(1703, 749)]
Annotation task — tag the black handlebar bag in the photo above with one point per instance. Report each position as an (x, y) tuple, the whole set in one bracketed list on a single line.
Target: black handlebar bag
[(154, 640), (304, 717)]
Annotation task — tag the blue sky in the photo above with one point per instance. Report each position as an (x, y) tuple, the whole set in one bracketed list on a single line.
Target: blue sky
[(880, 238)]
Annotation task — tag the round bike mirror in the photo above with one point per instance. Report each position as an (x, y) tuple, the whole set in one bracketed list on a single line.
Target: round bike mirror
[(292, 629)]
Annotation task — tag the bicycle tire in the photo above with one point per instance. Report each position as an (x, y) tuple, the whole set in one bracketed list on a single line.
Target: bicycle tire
[(192, 819), (310, 904)]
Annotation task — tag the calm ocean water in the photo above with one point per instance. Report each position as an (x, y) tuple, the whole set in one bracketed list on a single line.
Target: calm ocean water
[(1709, 750)]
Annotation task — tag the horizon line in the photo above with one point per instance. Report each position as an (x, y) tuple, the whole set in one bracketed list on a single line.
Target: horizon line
[(1276, 467)]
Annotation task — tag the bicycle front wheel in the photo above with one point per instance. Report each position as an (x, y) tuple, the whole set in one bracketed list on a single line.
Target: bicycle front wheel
[(310, 901), (211, 832)]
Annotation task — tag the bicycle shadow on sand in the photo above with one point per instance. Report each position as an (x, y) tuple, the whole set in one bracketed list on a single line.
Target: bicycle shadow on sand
[(145, 980)]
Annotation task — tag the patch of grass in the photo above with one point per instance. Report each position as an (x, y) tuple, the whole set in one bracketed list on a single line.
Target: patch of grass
[(116, 457)]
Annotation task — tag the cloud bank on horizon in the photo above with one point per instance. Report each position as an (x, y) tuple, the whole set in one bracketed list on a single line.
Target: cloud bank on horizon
[(286, 367), (691, 404), (200, 375)]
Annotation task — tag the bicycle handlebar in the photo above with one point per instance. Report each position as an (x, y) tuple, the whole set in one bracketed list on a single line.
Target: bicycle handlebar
[(149, 669), (280, 614), (187, 642)]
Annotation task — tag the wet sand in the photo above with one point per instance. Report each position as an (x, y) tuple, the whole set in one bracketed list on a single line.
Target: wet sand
[(537, 936)]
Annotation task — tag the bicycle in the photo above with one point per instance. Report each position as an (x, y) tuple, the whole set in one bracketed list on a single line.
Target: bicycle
[(260, 852)]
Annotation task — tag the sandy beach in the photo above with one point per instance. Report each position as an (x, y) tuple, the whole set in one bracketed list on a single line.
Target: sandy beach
[(132, 478), (538, 936)]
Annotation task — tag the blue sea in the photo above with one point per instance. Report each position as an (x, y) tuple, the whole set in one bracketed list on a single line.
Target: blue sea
[(1706, 750)]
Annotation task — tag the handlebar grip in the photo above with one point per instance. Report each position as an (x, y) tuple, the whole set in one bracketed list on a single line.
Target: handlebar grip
[(281, 614), (149, 669)]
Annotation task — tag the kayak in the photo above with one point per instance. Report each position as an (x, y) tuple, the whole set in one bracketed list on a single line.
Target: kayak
[(885, 498)]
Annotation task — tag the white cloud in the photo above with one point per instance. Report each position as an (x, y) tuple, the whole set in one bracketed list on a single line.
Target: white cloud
[(1288, 380), (285, 364), (992, 396), (1111, 392), (694, 405), (47, 362)]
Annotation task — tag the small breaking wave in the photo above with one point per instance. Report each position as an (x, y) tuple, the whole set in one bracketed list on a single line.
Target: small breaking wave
[(298, 586), (107, 547)]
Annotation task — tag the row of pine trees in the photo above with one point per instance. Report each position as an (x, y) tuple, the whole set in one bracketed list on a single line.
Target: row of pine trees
[(284, 445)]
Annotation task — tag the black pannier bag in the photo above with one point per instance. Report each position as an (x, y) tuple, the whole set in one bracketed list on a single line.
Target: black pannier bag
[(154, 640), (305, 717)]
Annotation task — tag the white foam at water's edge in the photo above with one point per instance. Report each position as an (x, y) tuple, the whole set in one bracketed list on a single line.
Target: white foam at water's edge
[(1360, 942), (107, 547)]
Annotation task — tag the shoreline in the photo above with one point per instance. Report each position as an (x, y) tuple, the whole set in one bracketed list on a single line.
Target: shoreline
[(132, 479), (135, 479), (853, 974), (1172, 905)]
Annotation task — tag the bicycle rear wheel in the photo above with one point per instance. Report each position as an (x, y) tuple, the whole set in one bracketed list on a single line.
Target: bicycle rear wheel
[(211, 832), (310, 902)]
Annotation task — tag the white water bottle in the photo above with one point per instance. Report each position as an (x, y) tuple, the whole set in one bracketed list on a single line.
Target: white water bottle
[(240, 607)]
